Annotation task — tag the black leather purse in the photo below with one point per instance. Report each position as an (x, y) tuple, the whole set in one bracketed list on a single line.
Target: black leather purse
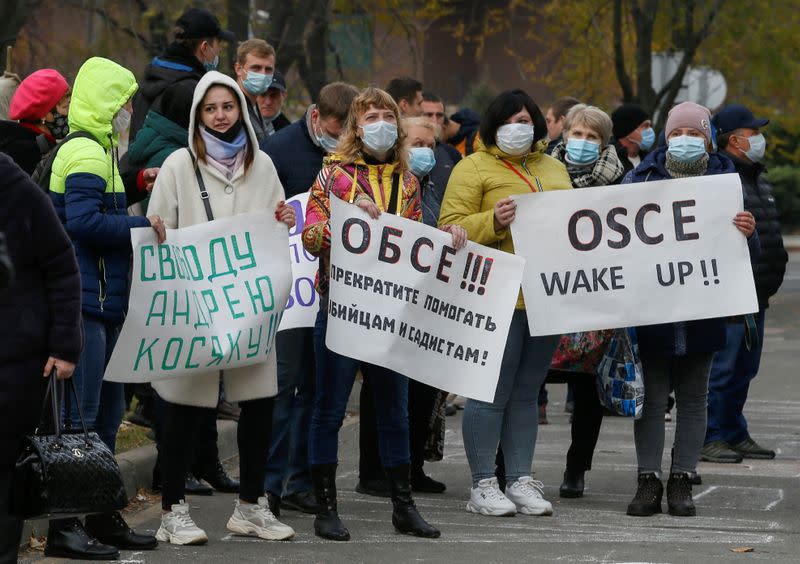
[(65, 472)]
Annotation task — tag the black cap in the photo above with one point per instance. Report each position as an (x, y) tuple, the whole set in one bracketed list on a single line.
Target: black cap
[(626, 119), (200, 24), (278, 81), (734, 117)]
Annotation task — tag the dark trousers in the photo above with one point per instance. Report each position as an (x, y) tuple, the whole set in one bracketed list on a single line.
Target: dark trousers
[(179, 428), (733, 369), (586, 420)]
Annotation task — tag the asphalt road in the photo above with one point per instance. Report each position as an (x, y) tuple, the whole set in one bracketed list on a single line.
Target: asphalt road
[(754, 505)]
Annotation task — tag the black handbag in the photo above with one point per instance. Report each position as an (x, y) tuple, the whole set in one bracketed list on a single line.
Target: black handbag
[(65, 472)]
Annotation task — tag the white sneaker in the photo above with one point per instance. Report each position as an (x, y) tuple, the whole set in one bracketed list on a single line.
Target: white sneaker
[(526, 494), (258, 520), (177, 527), (487, 499)]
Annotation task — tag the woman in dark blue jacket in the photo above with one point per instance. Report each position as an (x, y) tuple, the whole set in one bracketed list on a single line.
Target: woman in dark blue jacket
[(678, 355)]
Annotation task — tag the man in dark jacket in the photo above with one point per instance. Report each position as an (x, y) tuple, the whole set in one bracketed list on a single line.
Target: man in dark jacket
[(255, 72), (270, 104), (727, 438), (298, 152), (633, 134), (41, 329)]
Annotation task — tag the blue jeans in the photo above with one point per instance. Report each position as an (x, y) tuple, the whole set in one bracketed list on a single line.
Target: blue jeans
[(512, 420), (103, 403), (733, 369), (335, 377), (287, 463)]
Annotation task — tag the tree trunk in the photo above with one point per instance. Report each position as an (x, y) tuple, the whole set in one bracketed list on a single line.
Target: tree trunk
[(238, 23), (13, 15)]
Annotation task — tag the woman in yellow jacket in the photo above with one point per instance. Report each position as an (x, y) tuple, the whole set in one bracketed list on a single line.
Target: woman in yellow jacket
[(478, 198)]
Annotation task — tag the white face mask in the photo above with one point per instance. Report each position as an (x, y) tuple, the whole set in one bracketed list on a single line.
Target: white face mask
[(758, 146), (380, 136), (121, 121), (515, 138)]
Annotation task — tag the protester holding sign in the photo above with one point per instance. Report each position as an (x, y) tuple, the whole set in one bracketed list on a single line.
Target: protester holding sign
[(478, 198), (678, 355), (221, 174), (371, 170), (298, 152), (591, 161)]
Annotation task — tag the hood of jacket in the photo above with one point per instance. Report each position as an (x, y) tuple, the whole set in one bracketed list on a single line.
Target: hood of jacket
[(157, 134), (177, 63), (101, 88), (214, 78), (654, 166)]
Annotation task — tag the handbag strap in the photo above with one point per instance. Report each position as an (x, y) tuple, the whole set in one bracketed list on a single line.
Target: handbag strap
[(395, 194), (66, 395), (203, 192), (49, 401)]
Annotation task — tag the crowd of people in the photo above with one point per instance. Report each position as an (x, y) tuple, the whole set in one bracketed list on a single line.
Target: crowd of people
[(202, 146)]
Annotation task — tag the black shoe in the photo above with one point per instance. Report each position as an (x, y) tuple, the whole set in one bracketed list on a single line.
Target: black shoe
[(66, 538), (139, 417), (405, 517), (422, 483), (695, 479), (679, 495), (572, 486), (748, 448), (720, 452), (274, 502), (378, 487), (327, 523), (647, 500), (218, 478), (111, 528), (450, 409), (229, 411), (193, 486), (301, 501)]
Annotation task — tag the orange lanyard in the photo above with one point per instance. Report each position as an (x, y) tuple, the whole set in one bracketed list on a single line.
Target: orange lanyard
[(537, 188)]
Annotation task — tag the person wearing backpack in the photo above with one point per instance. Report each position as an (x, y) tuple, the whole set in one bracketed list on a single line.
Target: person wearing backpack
[(87, 192)]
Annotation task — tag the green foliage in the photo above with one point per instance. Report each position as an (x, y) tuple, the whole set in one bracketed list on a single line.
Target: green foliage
[(479, 96), (785, 181)]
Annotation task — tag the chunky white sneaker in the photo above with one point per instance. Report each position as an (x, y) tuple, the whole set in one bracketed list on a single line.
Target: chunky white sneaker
[(487, 499), (258, 520), (177, 527), (526, 494)]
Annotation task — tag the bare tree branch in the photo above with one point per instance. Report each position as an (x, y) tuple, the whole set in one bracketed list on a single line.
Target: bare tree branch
[(111, 22), (619, 53)]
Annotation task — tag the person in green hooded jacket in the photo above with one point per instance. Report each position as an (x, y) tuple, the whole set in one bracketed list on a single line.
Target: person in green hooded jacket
[(164, 132)]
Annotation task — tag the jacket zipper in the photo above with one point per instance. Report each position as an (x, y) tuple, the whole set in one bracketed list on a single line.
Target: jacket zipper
[(103, 283)]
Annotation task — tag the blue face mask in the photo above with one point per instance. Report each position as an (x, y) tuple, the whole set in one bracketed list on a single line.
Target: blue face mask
[(421, 161), (210, 66), (326, 142), (687, 149), (256, 83), (758, 146), (380, 136), (648, 138), (581, 151)]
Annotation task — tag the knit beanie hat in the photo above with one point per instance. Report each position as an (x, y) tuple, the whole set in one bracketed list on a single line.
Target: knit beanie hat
[(689, 114), (627, 118), (37, 95)]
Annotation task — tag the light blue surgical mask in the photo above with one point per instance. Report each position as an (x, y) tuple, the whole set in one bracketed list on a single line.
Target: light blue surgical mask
[(380, 136), (758, 145), (327, 142), (687, 149), (648, 138), (582, 151), (212, 65), (421, 161), (256, 83)]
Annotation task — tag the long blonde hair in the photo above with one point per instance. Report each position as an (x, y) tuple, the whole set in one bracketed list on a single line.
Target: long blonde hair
[(351, 148)]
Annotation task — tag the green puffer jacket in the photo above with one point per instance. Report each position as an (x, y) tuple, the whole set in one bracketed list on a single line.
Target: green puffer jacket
[(158, 139)]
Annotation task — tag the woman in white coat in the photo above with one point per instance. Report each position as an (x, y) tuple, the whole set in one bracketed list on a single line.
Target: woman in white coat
[(238, 179)]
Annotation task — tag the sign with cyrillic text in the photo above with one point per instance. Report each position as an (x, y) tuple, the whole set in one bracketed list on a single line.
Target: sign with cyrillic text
[(303, 305), (209, 298), (403, 298), (635, 254)]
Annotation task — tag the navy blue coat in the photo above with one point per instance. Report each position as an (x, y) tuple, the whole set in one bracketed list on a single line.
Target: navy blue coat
[(297, 158), (689, 337)]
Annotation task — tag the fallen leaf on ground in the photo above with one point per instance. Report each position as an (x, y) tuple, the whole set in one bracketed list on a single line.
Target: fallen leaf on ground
[(741, 549), (37, 543)]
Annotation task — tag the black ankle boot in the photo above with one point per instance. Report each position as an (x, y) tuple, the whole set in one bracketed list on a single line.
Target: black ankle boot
[(422, 483), (327, 523), (405, 517), (647, 501), (572, 486), (679, 495), (218, 478), (66, 538), (111, 528)]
